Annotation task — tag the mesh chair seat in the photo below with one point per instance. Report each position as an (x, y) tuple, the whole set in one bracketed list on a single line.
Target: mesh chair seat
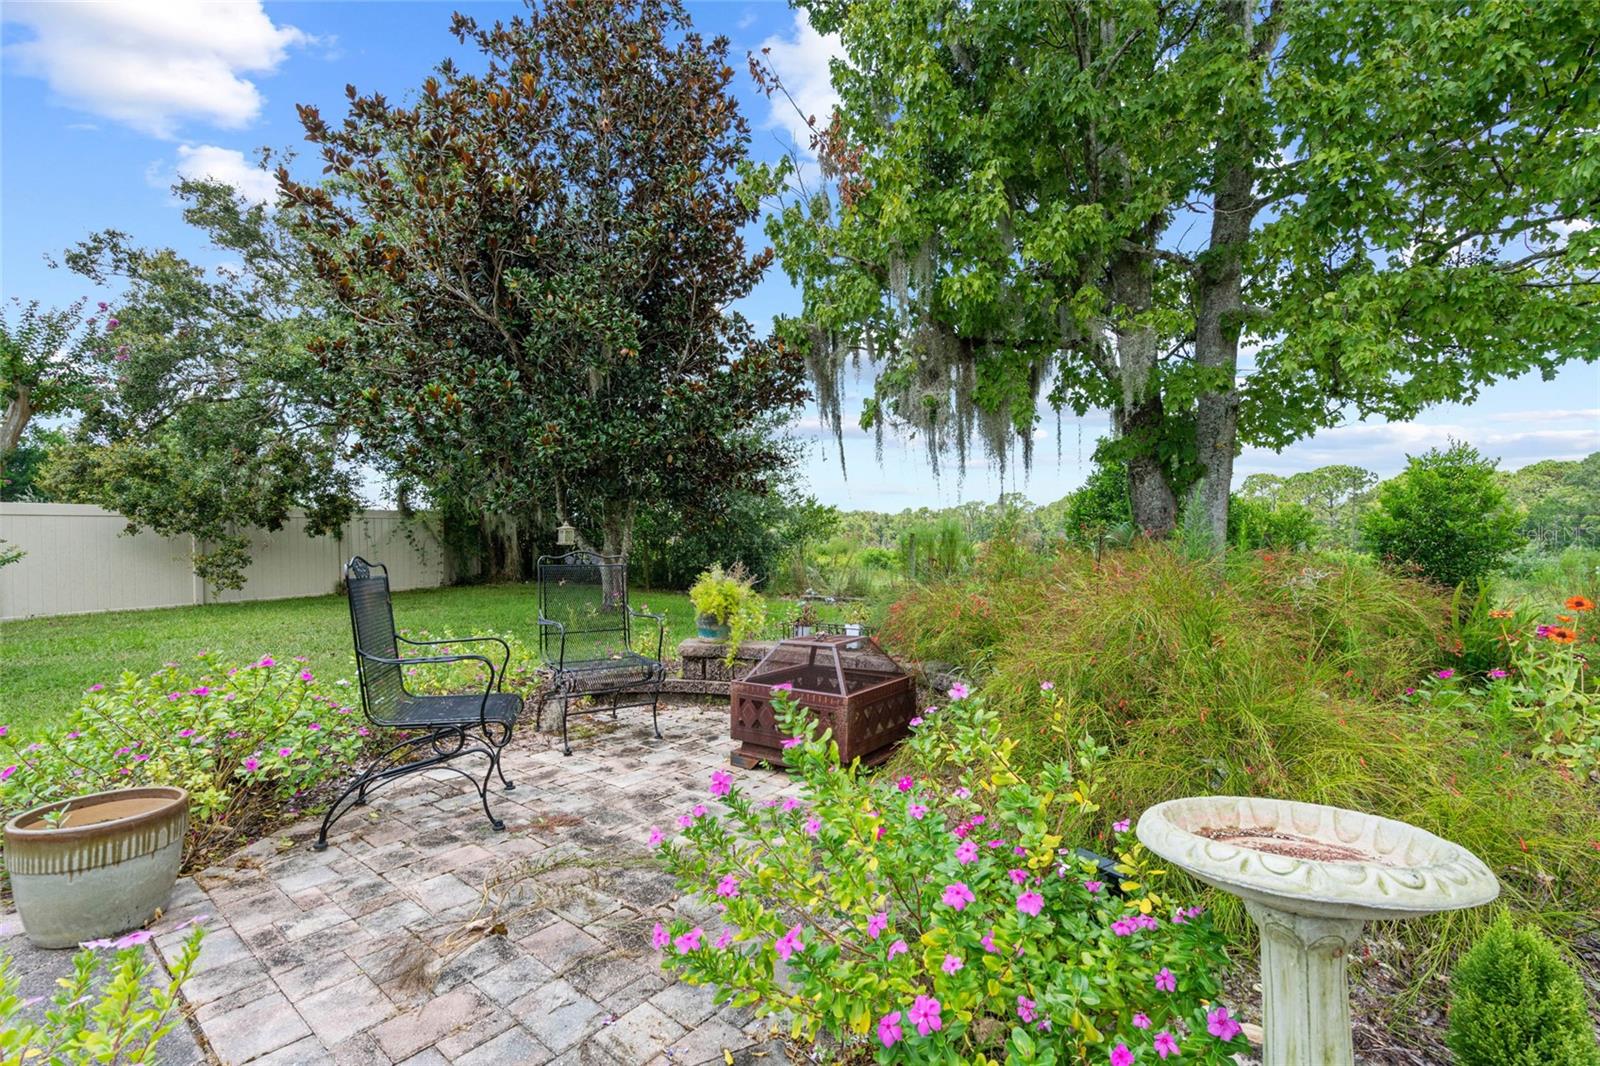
[(430, 711)]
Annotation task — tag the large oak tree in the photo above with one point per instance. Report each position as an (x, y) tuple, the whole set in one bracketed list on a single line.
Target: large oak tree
[(1228, 222), (538, 261)]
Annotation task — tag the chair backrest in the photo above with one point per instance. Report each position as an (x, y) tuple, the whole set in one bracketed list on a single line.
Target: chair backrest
[(372, 624), (588, 594)]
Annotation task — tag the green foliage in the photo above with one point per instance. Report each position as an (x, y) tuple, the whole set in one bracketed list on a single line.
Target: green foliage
[(21, 466), (1388, 195), (538, 254), (1561, 501), (1253, 524), (1446, 515), (1517, 1002), (1101, 505), (952, 904), (242, 740), (729, 598), (1274, 674), (119, 1021), (43, 361), (763, 533), (935, 549), (208, 416), (1336, 496)]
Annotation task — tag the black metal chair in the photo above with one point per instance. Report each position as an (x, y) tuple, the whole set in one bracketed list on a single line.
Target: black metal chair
[(434, 729), (586, 639)]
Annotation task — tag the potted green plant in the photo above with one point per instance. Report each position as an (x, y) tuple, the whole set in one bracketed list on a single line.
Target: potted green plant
[(805, 619), (95, 865), (727, 606)]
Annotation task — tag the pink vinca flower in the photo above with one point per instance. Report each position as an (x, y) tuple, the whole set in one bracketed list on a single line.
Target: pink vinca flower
[(889, 1032), (689, 941), (967, 852), (1027, 1009), (724, 938), (877, 924), (1141, 1020), (659, 937), (1166, 981), (1166, 1044), (1030, 903), (1017, 876), (1220, 1025), (951, 963), (917, 811), (728, 887), (924, 1014), (656, 836), (904, 784), (721, 783), (788, 944), (957, 895), (1121, 1056), (898, 948), (792, 742), (958, 691)]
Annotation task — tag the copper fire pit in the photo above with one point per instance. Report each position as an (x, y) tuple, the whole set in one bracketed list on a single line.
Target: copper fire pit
[(849, 683)]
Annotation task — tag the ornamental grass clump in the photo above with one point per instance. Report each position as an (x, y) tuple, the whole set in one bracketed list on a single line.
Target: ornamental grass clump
[(1271, 674), (243, 740), (1516, 1002), (941, 924)]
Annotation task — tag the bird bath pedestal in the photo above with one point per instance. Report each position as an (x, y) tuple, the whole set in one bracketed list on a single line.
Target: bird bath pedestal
[(1311, 877)]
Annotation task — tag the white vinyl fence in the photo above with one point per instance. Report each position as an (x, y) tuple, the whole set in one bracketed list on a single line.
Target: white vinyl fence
[(78, 560)]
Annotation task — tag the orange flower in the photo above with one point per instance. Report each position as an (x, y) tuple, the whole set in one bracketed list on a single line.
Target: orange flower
[(1502, 612), (1562, 635), (1563, 618), (1579, 603)]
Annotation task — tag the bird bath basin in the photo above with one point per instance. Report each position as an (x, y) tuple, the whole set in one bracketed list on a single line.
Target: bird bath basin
[(1311, 877)]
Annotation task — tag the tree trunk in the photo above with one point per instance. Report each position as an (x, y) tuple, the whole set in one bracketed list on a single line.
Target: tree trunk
[(501, 548), (1139, 417), (1219, 306), (18, 412)]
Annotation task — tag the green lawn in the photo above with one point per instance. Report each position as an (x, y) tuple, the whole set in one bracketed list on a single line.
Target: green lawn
[(46, 663)]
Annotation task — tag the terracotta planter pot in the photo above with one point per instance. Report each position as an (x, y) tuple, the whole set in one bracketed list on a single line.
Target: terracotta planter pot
[(107, 869)]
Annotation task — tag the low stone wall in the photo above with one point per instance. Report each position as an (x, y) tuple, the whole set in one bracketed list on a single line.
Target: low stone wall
[(703, 667)]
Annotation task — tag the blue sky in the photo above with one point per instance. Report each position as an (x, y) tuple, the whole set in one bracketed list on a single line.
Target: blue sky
[(102, 104)]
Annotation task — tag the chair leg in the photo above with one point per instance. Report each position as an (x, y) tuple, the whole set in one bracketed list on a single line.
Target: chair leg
[(566, 746), (655, 720), (500, 770), (483, 789)]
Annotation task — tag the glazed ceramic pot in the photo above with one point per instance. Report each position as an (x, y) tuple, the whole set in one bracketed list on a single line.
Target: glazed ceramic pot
[(708, 628), (107, 868)]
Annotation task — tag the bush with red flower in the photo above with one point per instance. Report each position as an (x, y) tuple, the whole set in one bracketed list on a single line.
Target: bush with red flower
[(1546, 687), (932, 924)]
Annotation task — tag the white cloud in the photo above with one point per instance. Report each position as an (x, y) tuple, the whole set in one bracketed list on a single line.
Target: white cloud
[(801, 63), (226, 165), (153, 64), (1383, 446)]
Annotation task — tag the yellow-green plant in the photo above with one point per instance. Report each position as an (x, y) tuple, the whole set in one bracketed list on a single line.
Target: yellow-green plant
[(121, 1022), (729, 597)]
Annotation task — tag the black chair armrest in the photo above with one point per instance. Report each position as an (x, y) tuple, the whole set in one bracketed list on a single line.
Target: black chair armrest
[(426, 660), (661, 627), (505, 659), (561, 659)]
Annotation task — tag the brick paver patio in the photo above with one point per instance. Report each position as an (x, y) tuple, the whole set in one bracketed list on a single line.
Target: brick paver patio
[(421, 936)]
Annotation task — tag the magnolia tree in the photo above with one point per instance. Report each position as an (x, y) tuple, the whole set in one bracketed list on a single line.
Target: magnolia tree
[(538, 261), (1228, 223)]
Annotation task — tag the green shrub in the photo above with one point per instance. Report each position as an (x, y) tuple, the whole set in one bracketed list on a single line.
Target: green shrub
[(119, 1018), (241, 739), (1101, 504), (1516, 1002), (1255, 524), (1275, 674), (1446, 515), (942, 923)]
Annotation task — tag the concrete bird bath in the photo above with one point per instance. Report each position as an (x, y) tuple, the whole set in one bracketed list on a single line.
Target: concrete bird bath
[(1311, 877)]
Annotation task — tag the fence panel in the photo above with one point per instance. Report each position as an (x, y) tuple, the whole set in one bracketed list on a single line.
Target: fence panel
[(78, 560)]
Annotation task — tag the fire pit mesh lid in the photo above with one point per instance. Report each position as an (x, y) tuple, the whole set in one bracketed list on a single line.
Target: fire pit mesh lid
[(831, 664)]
